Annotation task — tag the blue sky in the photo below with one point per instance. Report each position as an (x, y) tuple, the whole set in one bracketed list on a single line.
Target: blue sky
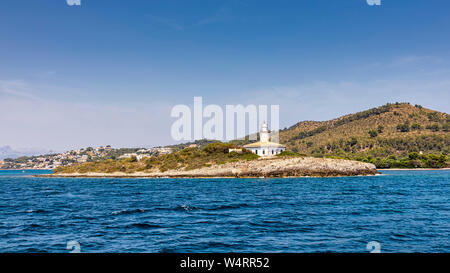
[(109, 71)]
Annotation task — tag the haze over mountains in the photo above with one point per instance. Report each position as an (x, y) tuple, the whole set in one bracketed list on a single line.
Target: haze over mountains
[(8, 152)]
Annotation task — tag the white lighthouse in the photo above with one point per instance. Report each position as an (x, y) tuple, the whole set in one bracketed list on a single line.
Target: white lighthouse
[(264, 147), (264, 133)]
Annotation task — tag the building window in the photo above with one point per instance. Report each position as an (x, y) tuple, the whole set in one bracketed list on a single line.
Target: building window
[(273, 152), (264, 152), (256, 151)]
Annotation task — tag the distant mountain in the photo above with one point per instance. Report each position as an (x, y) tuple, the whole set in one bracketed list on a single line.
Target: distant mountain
[(389, 129), (8, 152)]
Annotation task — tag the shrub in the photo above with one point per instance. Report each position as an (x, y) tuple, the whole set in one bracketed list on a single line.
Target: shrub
[(403, 127), (373, 133), (434, 127), (413, 155), (249, 156), (289, 154), (433, 117), (132, 159), (416, 126), (353, 141), (218, 148), (446, 127)]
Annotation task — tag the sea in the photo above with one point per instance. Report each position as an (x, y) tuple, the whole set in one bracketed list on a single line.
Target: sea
[(397, 211)]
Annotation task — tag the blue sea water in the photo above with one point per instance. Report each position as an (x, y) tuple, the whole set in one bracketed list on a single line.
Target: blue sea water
[(405, 211)]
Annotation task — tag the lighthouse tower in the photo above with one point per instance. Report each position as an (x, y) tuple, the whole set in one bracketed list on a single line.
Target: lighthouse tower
[(264, 133)]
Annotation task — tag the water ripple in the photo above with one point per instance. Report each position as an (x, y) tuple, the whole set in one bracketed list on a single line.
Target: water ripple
[(404, 211)]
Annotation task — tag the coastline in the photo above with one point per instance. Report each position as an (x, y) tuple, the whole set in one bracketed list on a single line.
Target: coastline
[(416, 169), (149, 175), (167, 175), (26, 169), (125, 176)]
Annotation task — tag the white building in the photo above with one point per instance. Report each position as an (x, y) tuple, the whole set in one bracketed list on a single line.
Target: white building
[(264, 147)]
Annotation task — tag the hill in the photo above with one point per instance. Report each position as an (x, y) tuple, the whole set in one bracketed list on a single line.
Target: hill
[(396, 135)]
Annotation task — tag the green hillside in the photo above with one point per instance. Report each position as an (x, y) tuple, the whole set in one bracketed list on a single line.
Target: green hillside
[(390, 136)]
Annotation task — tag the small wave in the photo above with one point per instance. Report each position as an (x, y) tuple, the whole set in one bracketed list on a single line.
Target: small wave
[(273, 222), (277, 226), (71, 195), (396, 211), (265, 225), (225, 207), (305, 229), (122, 212), (399, 237), (143, 226), (186, 208), (167, 250), (217, 245), (34, 250), (36, 211), (355, 213), (32, 227), (200, 222)]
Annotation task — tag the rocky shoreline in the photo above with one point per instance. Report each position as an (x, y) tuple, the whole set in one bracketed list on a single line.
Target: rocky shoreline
[(267, 168)]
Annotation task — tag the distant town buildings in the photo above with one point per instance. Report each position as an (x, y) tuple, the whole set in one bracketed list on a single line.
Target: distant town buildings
[(52, 161), (146, 153)]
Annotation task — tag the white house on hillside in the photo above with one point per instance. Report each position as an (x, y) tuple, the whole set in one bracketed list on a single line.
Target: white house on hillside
[(264, 147)]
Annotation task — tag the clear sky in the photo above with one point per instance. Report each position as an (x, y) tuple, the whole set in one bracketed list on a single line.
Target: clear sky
[(109, 71)]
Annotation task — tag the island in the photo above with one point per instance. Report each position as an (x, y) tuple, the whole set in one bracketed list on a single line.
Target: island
[(261, 159), (260, 168)]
